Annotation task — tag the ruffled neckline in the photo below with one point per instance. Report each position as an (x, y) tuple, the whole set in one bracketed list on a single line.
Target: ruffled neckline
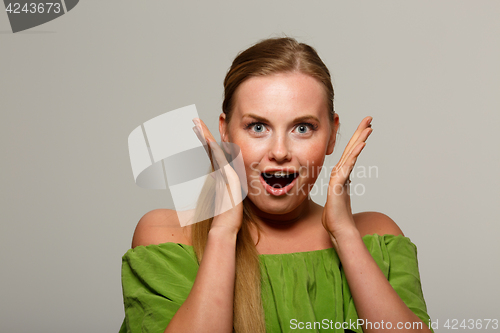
[(330, 249)]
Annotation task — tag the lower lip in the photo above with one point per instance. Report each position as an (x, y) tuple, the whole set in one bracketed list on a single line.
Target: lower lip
[(277, 191)]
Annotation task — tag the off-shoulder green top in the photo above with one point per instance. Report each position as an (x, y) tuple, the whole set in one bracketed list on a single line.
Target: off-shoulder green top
[(301, 292)]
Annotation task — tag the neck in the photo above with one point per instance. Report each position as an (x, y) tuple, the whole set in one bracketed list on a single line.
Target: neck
[(291, 221)]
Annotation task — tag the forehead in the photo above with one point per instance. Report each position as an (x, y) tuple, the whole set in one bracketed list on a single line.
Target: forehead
[(281, 96)]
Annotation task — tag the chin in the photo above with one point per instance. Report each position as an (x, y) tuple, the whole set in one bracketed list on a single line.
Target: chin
[(276, 206)]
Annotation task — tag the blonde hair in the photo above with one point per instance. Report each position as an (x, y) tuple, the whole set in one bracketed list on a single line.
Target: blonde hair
[(269, 56)]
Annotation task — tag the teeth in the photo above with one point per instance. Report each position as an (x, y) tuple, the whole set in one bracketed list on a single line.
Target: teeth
[(279, 173)]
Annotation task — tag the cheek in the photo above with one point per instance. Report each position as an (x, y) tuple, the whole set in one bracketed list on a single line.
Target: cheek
[(311, 164), (251, 152), (313, 150), (251, 158)]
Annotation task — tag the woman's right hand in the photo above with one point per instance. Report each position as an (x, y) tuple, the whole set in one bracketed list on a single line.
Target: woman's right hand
[(227, 183)]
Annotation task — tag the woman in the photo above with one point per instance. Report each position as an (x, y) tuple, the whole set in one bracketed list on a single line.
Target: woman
[(276, 262)]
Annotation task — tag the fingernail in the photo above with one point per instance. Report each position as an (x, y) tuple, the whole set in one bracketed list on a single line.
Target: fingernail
[(197, 122)]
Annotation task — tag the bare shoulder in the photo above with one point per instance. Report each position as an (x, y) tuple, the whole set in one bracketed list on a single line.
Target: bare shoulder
[(369, 223), (160, 226)]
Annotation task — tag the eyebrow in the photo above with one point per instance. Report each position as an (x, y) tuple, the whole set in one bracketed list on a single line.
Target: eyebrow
[(296, 120)]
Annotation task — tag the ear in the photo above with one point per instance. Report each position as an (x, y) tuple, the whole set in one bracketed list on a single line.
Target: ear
[(223, 128), (333, 134)]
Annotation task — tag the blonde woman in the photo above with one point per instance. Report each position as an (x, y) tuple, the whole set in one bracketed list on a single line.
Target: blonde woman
[(276, 262)]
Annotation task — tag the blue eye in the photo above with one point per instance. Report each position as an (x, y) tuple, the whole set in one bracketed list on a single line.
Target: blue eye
[(258, 127), (302, 128)]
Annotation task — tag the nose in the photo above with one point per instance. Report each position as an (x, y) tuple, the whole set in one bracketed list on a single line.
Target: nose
[(280, 149)]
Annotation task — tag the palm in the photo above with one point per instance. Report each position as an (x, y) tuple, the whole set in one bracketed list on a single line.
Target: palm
[(228, 206), (337, 215)]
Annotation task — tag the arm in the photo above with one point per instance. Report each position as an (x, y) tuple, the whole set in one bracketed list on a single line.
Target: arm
[(375, 299), (209, 306), (166, 290)]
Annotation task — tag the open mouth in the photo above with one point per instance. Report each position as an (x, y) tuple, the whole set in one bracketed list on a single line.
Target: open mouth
[(279, 180)]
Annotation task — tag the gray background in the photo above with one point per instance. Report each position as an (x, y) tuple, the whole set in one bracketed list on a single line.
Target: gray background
[(73, 89)]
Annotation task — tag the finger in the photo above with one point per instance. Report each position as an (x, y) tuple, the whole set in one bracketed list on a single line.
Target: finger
[(204, 129), (205, 144), (220, 160), (198, 133), (361, 138), (366, 122), (355, 154), (361, 127), (207, 137), (358, 135), (353, 158), (341, 173)]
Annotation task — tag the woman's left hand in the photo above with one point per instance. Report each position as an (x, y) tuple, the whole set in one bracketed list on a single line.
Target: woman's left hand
[(337, 215)]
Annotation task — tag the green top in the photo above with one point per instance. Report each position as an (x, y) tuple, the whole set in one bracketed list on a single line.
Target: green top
[(298, 289)]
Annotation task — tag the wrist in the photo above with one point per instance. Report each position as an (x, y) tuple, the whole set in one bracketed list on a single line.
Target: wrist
[(345, 237), (223, 234)]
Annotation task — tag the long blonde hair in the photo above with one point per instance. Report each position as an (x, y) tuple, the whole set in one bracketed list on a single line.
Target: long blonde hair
[(269, 56)]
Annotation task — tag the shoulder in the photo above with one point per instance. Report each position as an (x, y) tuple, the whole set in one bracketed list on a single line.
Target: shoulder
[(369, 223), (160, 226)]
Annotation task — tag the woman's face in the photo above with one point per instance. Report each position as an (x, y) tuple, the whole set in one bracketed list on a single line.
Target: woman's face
[(281, 123)]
